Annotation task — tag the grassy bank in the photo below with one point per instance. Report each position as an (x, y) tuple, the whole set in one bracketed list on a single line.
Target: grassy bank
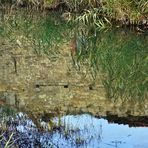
[(122, 12)]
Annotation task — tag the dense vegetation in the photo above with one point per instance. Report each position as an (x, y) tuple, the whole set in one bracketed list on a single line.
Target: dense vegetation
[(120, 57), (127, 12)]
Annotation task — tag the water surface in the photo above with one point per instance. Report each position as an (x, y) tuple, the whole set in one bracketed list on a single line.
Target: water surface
[(105, 76), (74, 131)]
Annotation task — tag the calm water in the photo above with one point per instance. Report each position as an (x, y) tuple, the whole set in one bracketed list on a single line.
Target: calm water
[(78, 131), (120, 55), (118, 58)]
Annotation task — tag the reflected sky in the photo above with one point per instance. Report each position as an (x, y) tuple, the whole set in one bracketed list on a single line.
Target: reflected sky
[(108, 134), (86, 131)]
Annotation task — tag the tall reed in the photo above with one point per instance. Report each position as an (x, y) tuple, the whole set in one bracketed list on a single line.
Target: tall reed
[(119, 59)]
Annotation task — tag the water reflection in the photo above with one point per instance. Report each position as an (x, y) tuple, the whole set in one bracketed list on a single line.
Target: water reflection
[(119, 57), (100, 133), (73, 131), (116, 58), (41, 32)]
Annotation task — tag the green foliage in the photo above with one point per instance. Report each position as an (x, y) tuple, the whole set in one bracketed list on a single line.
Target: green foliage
[(78, 6), (40, 32), (119, 59), (107, 10), (92, 15)]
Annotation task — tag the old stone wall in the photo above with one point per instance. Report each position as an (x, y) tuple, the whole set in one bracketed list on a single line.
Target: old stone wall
[(39, 85)]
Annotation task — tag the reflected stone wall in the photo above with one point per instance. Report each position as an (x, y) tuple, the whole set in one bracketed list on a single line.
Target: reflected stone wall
[(41, 85)]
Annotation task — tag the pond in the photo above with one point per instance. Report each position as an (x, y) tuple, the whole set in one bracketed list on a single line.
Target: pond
[(74, 131), (80, 87)]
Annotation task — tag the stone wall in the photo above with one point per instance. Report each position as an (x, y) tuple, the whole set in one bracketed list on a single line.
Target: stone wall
[(41, 85)]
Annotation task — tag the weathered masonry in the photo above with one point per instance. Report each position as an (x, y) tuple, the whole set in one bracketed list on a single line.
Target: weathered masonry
[(39, 84)]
